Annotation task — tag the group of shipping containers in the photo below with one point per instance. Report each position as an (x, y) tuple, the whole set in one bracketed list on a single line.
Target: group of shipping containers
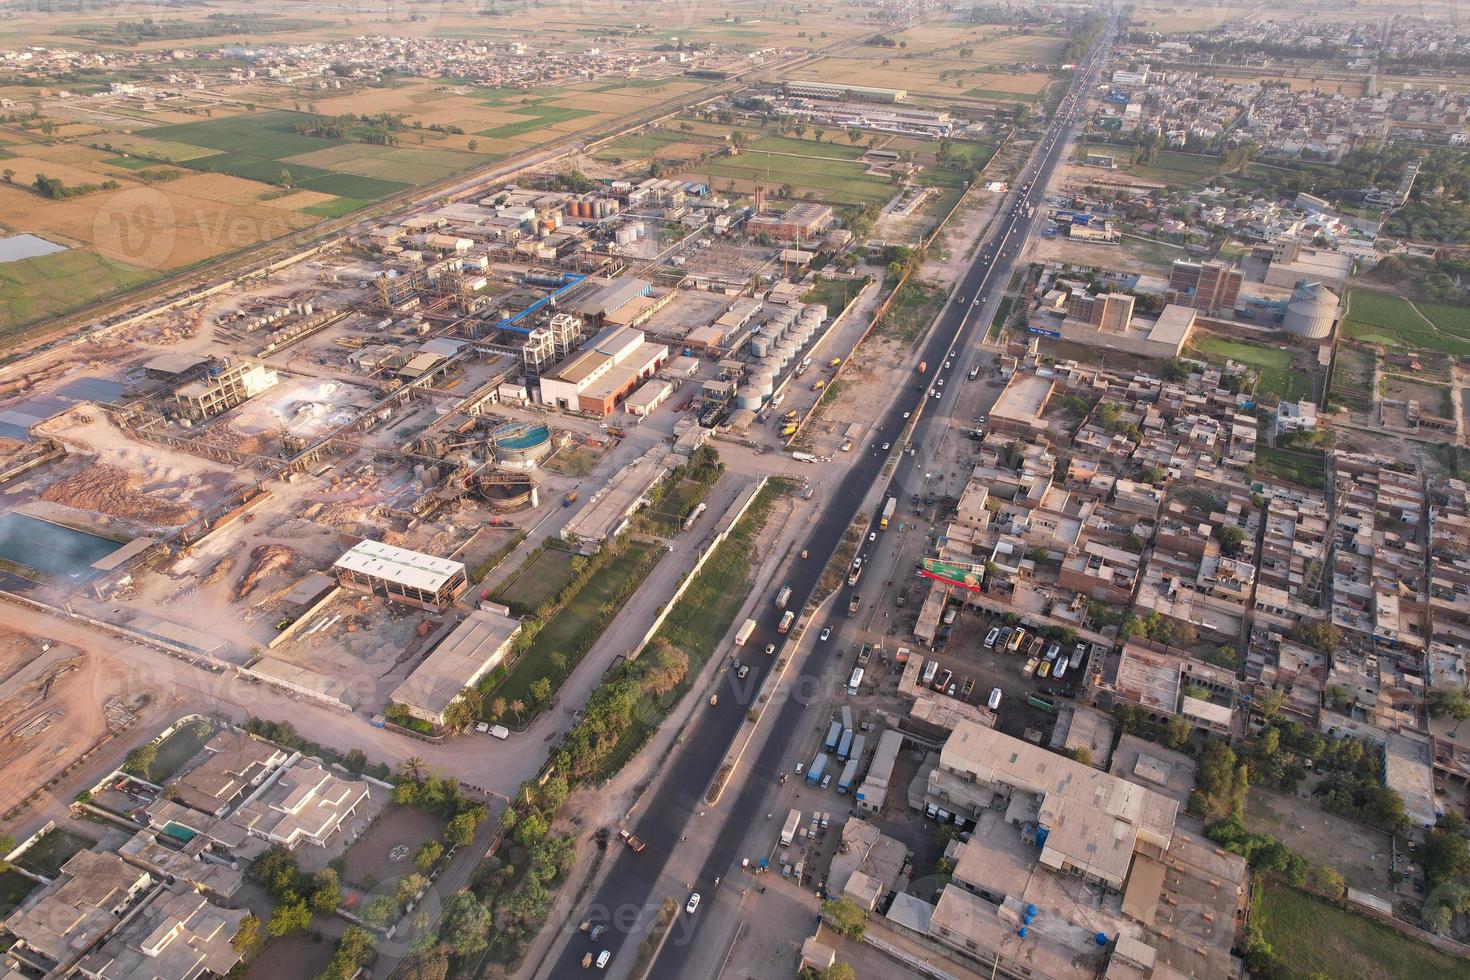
[(844, 741)]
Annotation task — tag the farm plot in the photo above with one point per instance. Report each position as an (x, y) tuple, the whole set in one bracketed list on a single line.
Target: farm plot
[(422, 164), (1352, 377), (28, 288), (1274, 373), (1381, 318), (258, 146)]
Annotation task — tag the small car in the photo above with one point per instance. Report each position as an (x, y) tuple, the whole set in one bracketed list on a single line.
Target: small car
[(744, 669), (827, 780), (692, 904), (770, 649), (826, 633), (872, 535), (991, 637), (603, 959), (906, 414)]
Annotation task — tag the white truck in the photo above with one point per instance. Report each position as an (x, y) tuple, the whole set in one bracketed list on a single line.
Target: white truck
[(788, 830), (746, 628), (783, 597)]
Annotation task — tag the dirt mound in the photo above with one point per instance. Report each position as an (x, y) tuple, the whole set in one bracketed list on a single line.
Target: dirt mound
[(265, 560), (112, 490)]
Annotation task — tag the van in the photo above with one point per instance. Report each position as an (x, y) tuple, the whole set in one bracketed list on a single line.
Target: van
[(944, 678), (994, 703), (499, 731), (1017, 638), (1060, 668), (930, 669), (1053, 650), (991, 637), (949, 615)]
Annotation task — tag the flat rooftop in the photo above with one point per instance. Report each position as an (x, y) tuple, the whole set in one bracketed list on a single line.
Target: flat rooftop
[(460, 659), (1023, 399)]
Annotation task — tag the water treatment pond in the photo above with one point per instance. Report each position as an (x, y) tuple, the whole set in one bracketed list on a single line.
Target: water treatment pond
[(51, 548)]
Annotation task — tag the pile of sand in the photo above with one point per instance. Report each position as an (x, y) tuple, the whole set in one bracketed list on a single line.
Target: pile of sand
[(112, 490), (265, 560)]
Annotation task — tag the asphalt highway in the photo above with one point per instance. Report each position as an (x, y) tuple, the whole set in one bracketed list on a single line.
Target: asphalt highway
[(630, 887)]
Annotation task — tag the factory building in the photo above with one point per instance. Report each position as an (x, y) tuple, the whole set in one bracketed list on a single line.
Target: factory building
[(863, 93), (1110, 311), (477, 646), (223, 386), (801, 222), (1204, 286), (400, 575), (604, 372)]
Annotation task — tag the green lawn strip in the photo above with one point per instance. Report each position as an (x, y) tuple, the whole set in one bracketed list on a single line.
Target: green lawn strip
[(701, 618), (1314, 937), (538, 580), (1306, 468), (181, 746), (835, 144), (351, 185), (577, 625)]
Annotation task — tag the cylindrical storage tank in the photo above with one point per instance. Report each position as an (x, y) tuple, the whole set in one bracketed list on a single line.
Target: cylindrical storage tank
[(748, 397), (1311, 313), (764, 382), (787, 353), (759, 346), (520, 445), (817, 311)]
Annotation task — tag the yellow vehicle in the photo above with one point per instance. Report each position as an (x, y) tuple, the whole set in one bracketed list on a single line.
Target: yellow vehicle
[(787, 430), (790, 415), (834, 362), (818, 385)]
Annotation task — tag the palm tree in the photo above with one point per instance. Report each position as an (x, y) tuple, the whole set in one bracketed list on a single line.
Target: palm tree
[(413, 768), (518, 708)]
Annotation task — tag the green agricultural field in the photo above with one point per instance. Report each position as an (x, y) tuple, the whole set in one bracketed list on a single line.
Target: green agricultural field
[(1382, 318), (835, 181), (1273, 367), (258, 146), (1307, 468), (1312, 937), (539, 580), (540, 115), (269, 135), (28, 287)]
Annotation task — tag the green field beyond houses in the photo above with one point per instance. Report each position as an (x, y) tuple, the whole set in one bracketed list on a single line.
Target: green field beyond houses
[(265, 146), (1312, 937), (1382, 318), (1272, 366)]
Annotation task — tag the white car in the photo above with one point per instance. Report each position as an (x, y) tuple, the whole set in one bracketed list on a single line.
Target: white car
[(826, 633), (770, 649), (931, 392), (946, 364), (885, 447), (603, 958), (992, 636), (994, 701), (744, 669), (905, 414), (872, 535), (692, 904), (936, 394)]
